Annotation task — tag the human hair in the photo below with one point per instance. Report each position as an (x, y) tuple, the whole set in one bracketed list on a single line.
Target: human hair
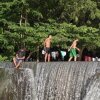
[(76, 38)]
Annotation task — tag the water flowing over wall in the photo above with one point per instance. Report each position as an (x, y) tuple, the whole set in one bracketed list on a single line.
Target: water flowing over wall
[(50, 81), (17, 84)]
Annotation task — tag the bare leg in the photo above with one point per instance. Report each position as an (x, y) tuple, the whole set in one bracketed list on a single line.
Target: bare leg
[(75, 58), (46, 57), (14, 61), (89, 59), (70, 58), (18, 65)]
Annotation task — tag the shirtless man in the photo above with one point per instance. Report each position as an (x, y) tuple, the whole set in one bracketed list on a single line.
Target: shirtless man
[(73, 49), (47, 45)]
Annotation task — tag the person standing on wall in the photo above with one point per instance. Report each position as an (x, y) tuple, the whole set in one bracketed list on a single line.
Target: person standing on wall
[(73, 49), (47, 47)]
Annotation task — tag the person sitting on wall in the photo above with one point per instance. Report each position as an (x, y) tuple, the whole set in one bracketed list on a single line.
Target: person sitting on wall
[(19, 58)]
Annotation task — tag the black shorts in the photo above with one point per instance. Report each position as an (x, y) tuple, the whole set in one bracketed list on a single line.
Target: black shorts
[(47, 50)]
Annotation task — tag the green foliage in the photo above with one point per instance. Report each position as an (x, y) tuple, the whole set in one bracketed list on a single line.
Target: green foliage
[(3, 58), (28, 23)]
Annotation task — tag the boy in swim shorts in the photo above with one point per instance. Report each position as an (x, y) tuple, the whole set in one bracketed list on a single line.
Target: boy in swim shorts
[(73, 49)]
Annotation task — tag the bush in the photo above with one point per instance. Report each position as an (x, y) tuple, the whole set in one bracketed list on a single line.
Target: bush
[(3, 58)]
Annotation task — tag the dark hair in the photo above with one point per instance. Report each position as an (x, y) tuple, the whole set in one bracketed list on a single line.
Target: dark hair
[(75, 38)]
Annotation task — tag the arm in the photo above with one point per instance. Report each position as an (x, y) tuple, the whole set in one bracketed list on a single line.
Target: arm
[(29, 55), (78, 49), (70, 47), (22, 58)]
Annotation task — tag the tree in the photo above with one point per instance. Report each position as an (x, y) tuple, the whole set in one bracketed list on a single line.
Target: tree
[(28, 23)]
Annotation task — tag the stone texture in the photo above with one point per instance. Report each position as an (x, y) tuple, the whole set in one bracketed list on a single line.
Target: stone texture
[(50, 81)]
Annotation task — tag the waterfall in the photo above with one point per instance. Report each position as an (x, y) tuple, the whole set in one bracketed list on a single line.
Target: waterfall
[(51, 81), (20, 85), (93, 88), (63, 80)]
